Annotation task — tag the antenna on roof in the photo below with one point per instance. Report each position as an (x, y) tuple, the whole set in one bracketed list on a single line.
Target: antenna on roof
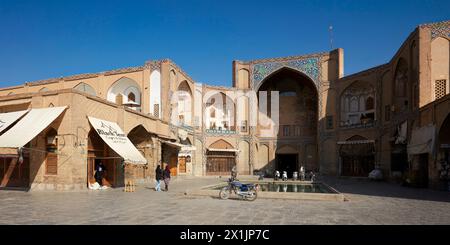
[(330, 29)]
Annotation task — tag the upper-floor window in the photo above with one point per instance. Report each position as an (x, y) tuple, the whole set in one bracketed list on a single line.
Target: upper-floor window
[(244, 126), (286, 130), (370, 103), (329, 121), (357, 105), (387, 112), (401, 86), (131, 97)]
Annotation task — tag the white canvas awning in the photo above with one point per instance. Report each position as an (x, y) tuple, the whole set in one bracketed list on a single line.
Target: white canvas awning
[(33, 123), (422, 140), (116, 139), (6, 119), (178, 145)]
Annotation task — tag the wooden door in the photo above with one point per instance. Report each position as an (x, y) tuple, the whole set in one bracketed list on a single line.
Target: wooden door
[(109, 178), (358, 166), (220, 165), (182, 164), (173, 165), (423, 170), (91, 169)]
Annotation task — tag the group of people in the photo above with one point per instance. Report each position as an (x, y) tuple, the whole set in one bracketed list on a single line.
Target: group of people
[(162, 175)]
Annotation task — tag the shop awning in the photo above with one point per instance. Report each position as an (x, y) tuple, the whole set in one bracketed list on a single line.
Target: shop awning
[(422, 140), (355, 142), (223, 150), (116, 139), (6, 119), (174, 144), (357, 148), (33, 123)]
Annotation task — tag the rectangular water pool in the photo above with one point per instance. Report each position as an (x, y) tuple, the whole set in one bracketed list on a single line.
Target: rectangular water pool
[(291, 187), (296, 187), (295, 190)]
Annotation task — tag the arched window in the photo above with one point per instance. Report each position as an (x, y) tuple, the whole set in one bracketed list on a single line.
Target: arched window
[(125, 90), (370, 103), (357, 104), (85, 88), (131, 97), (400, 84), (354, 107), (220, 109), (44, 89), (181, 103)]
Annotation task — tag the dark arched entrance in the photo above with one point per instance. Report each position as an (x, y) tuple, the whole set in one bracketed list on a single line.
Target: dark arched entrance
[(99, 152), (220, 158), (298, 118), (357, 156)]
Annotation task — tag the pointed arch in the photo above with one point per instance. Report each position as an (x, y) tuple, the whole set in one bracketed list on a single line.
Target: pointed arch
[(155, 94), (286, 149), (401, 78), (357, 104), (139, 134), (85, 88), (182, 105), (123, 87), (223, 108), (221, 144), (244, 78)]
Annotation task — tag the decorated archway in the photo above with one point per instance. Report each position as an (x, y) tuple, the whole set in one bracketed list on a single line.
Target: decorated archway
[(297, 95), (221, 158), (357, 156)]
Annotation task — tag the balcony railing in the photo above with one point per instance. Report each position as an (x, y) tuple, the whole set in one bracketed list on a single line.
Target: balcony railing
[(220, 131), (361, 124)]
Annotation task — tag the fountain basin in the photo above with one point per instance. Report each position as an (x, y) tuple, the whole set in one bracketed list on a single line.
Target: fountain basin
[(295, 190)]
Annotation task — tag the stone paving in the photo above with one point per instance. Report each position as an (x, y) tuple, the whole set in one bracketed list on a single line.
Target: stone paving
[(368, 203)]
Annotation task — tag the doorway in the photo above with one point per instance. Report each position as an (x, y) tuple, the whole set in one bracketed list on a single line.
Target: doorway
[(98, 152), (287, 162), (14, 173), (220, 163), (173, 165), (357, 166), (182, 164), (422, 172)]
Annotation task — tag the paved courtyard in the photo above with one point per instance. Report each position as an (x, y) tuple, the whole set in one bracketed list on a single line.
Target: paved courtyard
[(368, 203)]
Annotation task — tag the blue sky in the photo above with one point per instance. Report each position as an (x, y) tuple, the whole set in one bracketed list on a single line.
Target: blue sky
[(46, 39)]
